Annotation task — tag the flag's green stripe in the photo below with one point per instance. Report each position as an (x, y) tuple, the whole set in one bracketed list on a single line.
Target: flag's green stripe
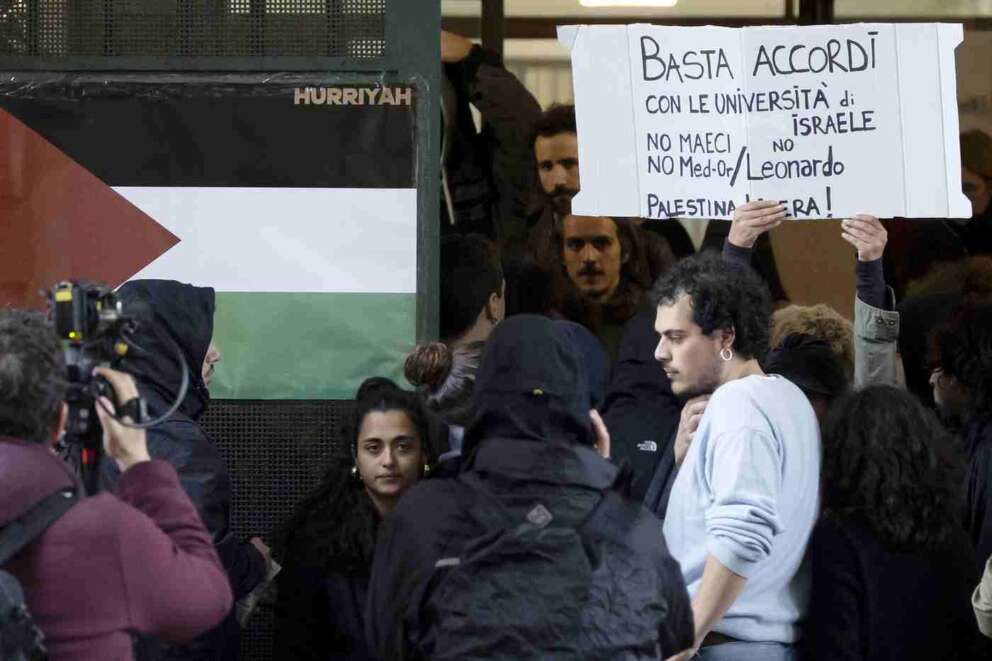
[(309, 346)]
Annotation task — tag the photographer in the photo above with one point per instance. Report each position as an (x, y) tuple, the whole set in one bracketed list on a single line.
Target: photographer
[(140, 561), (173, 315)]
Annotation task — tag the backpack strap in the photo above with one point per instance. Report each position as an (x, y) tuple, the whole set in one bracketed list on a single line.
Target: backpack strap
[(29, 526)]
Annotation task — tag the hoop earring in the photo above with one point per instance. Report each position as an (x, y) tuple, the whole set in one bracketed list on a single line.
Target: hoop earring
[(726, 354)]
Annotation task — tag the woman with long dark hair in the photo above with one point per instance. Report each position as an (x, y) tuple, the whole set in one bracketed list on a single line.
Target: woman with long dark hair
[(892, 569), (327, 545)]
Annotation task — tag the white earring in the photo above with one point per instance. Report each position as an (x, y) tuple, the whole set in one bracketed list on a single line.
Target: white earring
[(726, 354)]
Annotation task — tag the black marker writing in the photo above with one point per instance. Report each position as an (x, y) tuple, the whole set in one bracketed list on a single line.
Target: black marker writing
[(831, 58), (692, 65)]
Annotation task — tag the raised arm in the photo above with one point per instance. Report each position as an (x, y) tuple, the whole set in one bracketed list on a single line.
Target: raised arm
[(509, 112), (876, 323), (751, 220)]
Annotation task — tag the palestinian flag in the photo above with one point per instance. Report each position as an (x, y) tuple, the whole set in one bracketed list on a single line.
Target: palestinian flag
[(294, 198)]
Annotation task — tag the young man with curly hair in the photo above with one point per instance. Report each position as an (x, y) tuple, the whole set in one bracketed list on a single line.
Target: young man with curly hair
[(744, 502)]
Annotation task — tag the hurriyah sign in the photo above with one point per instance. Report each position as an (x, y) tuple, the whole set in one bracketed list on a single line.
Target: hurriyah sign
[(296, 201), (832, 120)]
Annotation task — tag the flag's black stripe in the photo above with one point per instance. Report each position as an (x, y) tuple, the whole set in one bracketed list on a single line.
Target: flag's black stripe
[(142, 134)]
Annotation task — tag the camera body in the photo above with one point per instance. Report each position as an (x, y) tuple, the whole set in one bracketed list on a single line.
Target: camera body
[(88, 319)]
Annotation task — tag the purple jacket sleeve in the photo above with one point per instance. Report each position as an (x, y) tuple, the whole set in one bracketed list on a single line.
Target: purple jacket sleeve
[(173, 579)]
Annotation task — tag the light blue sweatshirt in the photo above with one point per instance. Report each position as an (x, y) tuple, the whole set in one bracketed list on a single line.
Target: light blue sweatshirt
[(748, 493)]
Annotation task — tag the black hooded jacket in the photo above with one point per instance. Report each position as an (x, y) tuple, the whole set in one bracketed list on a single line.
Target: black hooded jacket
[(640, 409), (174, 315), (531, 440), (490, 176)]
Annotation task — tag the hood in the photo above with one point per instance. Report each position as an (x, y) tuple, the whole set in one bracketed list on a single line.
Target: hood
[(594, 360), (169, 313), (554, 463), (28, 473), (530, 386)]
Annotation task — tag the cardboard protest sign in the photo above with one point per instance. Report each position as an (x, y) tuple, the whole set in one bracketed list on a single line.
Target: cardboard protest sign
[(833, 120)]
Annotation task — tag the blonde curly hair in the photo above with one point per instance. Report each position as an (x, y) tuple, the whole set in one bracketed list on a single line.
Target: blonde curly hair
[(820, 321)]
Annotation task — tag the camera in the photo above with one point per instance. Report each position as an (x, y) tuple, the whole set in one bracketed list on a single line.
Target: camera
[(89, 321), (96, 331)]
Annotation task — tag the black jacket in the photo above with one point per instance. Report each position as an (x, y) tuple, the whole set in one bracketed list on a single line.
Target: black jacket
[(531, 441), (977, 234), (640, 410), (489, 176), (915, 248), (978, 438), (606, 320), (919, 316), (174, 314), (873, 603), (326, 551), (320, 615)]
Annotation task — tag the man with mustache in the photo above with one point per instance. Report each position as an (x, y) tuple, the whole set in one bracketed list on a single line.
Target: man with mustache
[(605, 260), (593, 255), (556, 152)]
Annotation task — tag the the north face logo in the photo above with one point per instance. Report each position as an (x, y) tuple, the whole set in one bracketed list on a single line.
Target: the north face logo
[(647, 446)]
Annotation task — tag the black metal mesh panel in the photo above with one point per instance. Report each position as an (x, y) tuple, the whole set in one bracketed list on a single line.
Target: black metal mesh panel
[(275, 452), (200, 28)]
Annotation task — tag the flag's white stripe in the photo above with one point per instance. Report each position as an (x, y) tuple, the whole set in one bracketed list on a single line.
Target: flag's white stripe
[(285, 239)]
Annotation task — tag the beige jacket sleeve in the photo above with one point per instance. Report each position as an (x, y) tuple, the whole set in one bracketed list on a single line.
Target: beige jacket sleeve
[(981, 600), (876, 344)]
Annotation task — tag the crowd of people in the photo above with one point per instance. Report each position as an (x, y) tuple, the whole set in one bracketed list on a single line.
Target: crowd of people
[(620, 447)]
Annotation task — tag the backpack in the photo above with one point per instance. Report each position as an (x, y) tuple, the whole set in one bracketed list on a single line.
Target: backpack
[(534, 587), (20, 638)]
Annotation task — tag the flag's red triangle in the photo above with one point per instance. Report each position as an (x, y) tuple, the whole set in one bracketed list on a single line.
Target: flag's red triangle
[(59, 222)]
